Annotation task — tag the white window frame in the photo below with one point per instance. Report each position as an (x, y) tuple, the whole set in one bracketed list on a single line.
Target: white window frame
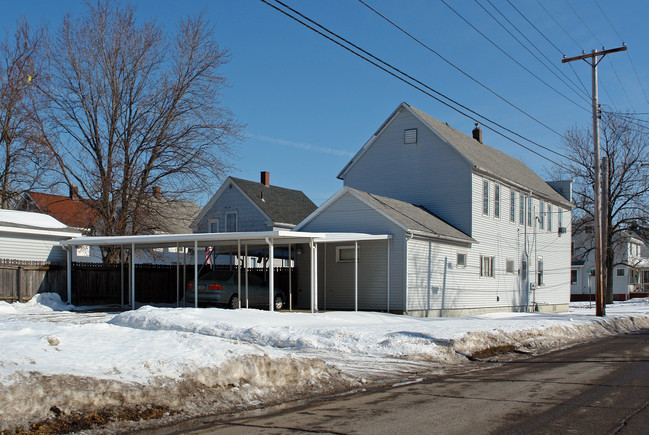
[(512, 206), (576, 280), (541, 214), (521, 209), (347, 248), (549, 217), (458, 264), (497, 201), (236, 220), (485, 197), (539, 272), (487, 264), (509, 266), (213, 221), (529, 211), (621, 269), (560, 214)]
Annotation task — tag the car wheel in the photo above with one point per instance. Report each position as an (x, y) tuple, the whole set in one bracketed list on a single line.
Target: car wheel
[(234, 302), (279, 302)]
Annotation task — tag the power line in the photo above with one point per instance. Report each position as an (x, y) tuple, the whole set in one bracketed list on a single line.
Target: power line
[(511, 58), (391, 70), (460, 69), (532, 44), (560, 26)]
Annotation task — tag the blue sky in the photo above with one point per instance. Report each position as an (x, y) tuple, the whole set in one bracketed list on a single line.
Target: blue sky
[(309, 105)]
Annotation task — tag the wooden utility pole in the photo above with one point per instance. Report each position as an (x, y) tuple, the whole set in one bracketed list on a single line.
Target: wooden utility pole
[(593, 61)]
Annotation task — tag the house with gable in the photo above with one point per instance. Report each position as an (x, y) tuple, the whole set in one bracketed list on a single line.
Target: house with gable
[(473, 229)]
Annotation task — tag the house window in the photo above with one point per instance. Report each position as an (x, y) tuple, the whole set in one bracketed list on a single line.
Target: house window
[(512, 206), (486, 266), (345, 254), (213, 225), (541, 214), (521, 209), (573, 277), (461, 259), (539, 273), (497, 201), (529, 211), (485, 197), (509, 266), (560, 214), (231, 224), (549, 217), (410, 136), (619, 272)]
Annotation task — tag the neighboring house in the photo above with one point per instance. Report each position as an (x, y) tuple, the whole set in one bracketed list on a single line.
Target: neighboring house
[(167, 217), (243, 206), (26, 236), (246, 206), (631, 271), (473, 229)]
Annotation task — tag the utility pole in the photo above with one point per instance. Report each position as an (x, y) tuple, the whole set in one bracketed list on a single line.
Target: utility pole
[(593, 61), (605, 199)]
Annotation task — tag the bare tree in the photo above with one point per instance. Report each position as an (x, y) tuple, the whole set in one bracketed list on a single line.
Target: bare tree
[(626, 145), (23, 158), (135, 108)]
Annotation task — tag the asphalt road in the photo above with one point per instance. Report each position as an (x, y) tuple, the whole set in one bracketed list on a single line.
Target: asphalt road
[(601, 387)]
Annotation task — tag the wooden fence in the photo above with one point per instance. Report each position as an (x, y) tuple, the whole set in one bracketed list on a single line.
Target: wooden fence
[(100, 284)]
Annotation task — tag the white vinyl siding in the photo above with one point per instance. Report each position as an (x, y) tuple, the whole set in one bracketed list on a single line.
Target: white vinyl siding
[(31, 248), (248, 216)]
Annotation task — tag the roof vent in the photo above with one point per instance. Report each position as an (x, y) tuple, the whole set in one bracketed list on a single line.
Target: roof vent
[(477, 132)]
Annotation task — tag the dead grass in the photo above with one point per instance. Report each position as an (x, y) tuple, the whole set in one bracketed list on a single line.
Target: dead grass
[(62, 423), (493, 351)]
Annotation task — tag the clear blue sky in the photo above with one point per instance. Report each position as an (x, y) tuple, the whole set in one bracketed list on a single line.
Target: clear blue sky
[(310, 105)]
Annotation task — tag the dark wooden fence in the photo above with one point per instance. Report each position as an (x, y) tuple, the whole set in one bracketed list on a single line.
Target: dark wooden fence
[(99, 284)]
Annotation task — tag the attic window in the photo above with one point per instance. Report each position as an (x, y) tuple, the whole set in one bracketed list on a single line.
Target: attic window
[(410, 136)]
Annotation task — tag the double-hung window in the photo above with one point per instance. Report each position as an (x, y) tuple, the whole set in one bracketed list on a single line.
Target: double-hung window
[(521, 209), (539, 272), (512, 206), (231, 224), (549, 217), (541, 214), (529, 211), (497, 201), (485, 197), (486, 266)]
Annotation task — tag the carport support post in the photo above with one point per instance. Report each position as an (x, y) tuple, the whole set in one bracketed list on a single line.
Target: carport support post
[(69, 273), (239, 271), (388, 283), (356, 276), (121, 274), (133, 276), (246, 265), (271, 275), (177, 275), (195, 274), (312, 276), (290, 272)]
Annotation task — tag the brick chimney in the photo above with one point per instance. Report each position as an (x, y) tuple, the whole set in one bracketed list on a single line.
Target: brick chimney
[(157, 192), (74, 192), (477, 132), (265, 178)]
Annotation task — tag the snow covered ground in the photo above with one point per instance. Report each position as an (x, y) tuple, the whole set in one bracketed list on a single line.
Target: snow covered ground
[(210, 359)]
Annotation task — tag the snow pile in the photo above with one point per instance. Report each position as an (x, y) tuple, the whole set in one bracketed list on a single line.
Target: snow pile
[(214, 359), (39, 220)]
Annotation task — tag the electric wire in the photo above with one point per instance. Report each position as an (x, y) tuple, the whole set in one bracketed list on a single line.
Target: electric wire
[(413, 85), (512, 58), (427, 47), (530, 51), (644, 92), (560, 26), (551, 43)]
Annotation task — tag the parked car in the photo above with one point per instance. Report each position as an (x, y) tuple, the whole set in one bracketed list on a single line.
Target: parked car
[(219, 287)]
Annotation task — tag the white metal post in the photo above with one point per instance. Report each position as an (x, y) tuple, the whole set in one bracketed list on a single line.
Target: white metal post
[(271, 275), (388, 302), (356, 276), (312, 274), (69, 273), (177, 275), (246, 254), (315, 276), (290, 273), (133, 276), (239, 271), (195, 274), (121, 273)]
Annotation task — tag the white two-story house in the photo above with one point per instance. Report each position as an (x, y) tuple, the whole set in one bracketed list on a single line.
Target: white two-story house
[(472, 229)]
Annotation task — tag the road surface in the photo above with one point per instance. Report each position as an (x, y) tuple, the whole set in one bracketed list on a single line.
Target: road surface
[(601, 387)]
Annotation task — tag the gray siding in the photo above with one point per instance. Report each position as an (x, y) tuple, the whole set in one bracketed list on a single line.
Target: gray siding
[(428, 173), (349, 214), (232, 200), (31, 248)]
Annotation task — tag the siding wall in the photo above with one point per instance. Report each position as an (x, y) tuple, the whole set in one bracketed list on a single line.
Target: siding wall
[(31, 248), (336, 280), (504, 240), (407, 172), (232, 200)]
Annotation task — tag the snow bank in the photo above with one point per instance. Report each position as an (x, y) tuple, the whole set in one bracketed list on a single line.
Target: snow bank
[(207, 359)]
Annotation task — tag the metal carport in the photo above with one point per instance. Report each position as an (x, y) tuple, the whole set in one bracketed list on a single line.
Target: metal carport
[(232, 241)]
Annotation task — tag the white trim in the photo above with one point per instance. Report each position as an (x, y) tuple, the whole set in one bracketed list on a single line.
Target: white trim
[(217, 221), (346, 247), (236, 220), (39, 231)]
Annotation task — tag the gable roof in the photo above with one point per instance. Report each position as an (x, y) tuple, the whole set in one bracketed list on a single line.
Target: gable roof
[(282, 205), (72, 212), (410, 217), (484, 158), (279, 204)]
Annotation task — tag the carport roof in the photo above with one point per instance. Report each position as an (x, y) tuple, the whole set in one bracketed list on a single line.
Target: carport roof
[(280, 237)]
